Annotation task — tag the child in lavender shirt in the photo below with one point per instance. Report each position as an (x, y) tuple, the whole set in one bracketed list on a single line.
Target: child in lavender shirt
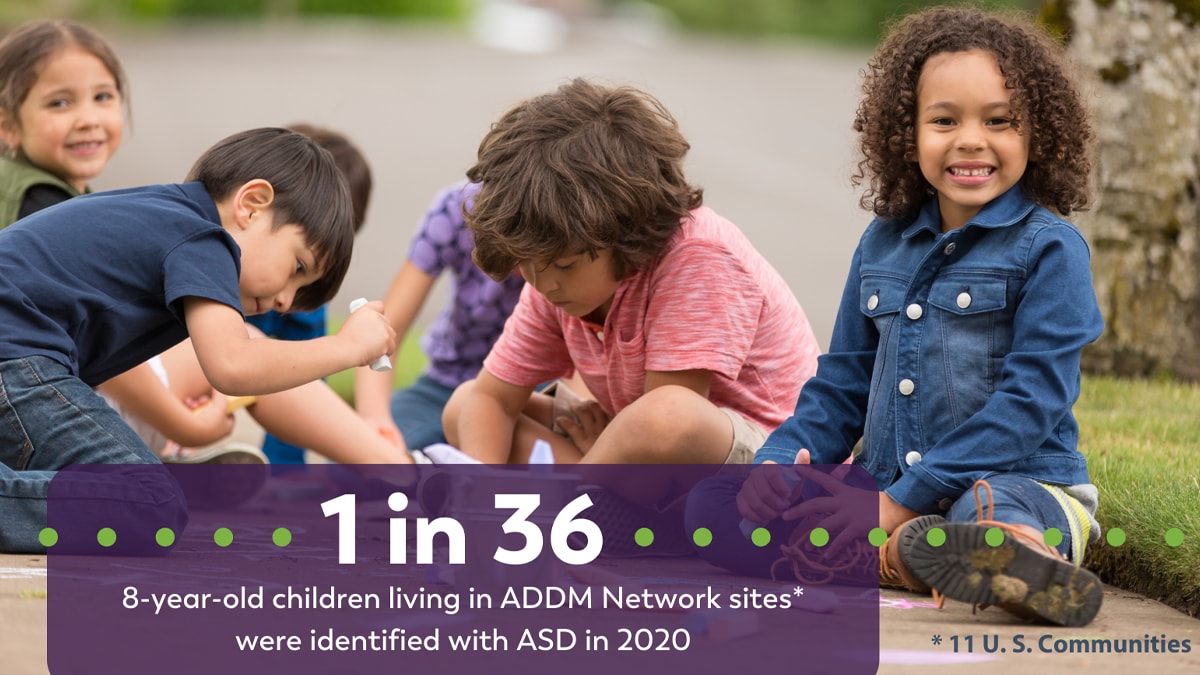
[(461, 336)]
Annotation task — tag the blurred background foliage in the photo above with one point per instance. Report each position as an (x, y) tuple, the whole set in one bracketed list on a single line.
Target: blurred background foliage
[(841, 20), (837, 20)]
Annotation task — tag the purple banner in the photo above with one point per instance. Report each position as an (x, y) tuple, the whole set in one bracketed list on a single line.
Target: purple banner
[(456, 569)]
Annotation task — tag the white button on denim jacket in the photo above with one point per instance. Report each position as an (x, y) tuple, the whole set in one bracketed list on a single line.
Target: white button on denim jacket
[(980, 381)]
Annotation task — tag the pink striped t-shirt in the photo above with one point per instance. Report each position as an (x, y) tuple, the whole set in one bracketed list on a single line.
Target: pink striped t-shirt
[(711, 302)]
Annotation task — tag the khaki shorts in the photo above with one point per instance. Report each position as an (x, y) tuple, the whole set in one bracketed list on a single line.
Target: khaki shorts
[(748, 437)]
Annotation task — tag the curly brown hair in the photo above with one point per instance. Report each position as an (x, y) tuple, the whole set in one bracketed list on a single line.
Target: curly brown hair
[(1046, 104), (578, 170)]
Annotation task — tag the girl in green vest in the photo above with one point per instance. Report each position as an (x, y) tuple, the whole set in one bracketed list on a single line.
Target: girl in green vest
[(63, 99)]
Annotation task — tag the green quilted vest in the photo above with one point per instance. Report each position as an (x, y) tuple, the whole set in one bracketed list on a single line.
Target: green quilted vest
[(16, 177)]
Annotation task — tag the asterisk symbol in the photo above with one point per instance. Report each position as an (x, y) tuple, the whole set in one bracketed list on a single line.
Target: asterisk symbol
[(937, 639), (799, 590)]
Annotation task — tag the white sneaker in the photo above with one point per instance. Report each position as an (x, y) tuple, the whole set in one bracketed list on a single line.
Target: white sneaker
[(441, 453)]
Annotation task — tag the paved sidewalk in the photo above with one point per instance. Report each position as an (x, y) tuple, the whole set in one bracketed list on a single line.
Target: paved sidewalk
[(910, 628)]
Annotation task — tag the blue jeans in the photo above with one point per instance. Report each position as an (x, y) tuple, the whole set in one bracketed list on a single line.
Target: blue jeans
[(279, 453), (49, 420), (417, 412), (712, 504)]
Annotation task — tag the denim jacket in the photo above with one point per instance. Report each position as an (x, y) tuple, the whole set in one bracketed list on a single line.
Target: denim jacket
[(954, 356)]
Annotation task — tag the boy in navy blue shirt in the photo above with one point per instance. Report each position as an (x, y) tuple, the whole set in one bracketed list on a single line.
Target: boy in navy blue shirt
[(100, 283)]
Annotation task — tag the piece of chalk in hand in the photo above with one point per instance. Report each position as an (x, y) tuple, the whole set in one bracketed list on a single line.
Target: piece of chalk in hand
[(383, 362)]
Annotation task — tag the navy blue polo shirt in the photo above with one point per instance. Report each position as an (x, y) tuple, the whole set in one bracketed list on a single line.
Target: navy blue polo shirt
[(97, 282)]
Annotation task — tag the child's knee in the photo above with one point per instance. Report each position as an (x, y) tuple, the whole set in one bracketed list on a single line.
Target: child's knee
[(676, 418)]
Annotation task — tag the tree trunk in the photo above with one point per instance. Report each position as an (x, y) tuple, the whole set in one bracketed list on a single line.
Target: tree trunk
[(1142, 60)]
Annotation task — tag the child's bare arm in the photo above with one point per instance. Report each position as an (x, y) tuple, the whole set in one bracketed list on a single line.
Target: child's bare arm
[(239, 365), (406, 295), (488, 417), (139, 391)]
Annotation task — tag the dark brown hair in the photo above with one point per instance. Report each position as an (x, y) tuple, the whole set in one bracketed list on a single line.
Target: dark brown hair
[(310, 191), (351, 162), (23, 50), (579, 170), (1046, 105)]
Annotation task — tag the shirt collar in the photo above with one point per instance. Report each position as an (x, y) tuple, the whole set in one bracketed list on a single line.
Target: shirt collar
[(1007, 209), (196, 192)]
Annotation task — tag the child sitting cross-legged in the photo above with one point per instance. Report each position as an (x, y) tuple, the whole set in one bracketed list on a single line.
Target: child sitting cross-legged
[(955, 354), (692, 345)]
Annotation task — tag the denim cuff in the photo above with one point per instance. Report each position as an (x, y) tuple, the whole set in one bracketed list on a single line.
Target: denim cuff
[(918, 491), (777, 455)]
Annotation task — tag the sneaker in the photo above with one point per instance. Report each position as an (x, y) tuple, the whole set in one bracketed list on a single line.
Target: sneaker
[(620, 519), (1022, 575), (444, 453), (218, 489), (893, 572), (225, 453)]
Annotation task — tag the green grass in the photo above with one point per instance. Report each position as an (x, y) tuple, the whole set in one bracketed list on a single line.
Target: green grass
[(1140, 440), (408, 362)]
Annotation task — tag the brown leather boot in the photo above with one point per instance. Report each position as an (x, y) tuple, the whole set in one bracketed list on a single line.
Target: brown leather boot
[(893, 572), (1016, 571)]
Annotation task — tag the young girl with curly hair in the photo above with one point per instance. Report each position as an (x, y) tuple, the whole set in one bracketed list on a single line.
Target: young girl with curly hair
[(955, 354)]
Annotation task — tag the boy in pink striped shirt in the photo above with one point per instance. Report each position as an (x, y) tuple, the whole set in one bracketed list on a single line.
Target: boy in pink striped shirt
[(690, 343)]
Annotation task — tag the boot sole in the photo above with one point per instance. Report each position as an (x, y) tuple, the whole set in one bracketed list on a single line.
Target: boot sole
[(909, 535), (1013, 576)]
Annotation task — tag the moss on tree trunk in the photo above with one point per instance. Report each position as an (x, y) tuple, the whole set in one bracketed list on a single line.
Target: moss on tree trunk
[(1141, 59)]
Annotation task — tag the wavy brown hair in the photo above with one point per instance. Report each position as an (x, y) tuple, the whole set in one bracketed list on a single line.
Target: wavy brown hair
[(1045, 101), (578, 170)]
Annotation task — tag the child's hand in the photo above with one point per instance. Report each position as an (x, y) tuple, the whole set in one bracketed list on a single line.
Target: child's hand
[(839, 520), (765, 494), (368, 334), (584, 424), (210, 422)]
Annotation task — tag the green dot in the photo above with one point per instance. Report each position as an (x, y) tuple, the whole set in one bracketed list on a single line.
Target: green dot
[(877, 537), (702, 537), (106, 537), (1053, 537), (1174, 537), (761, 536), (282, 537), (644, 536), (223, 537), (936, 536), (994, 536), (1116, 536), (48, 537), (165, 537), (819, 536)]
